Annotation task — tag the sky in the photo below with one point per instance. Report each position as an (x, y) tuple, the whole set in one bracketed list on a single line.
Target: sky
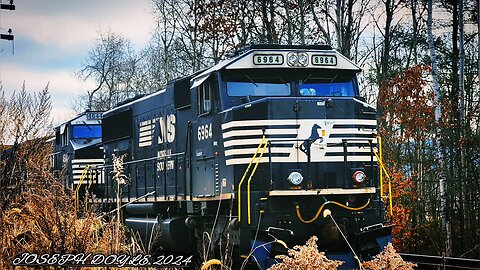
[(52, 40)]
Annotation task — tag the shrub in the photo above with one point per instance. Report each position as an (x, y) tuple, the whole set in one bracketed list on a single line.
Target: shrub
[(306, 257), (388, 259)]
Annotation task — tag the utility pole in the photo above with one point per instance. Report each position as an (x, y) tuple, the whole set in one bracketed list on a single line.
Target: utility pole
[(9, 6)]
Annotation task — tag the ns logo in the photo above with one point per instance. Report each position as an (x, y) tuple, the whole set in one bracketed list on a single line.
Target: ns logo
[(167, 129), (315, 138)]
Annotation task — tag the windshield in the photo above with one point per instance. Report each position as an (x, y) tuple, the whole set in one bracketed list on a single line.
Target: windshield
[(240, 89), (330, 89), (87, 131), (299, 82)]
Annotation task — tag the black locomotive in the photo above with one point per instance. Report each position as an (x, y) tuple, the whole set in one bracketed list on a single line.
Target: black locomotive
[(252, 149), (77, 150)]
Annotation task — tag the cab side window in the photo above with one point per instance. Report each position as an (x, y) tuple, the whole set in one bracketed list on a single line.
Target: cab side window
[(64, 135), (58, 138), (205, 97)]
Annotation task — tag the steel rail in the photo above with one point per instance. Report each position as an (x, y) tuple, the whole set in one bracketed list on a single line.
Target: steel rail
[(439, 262)]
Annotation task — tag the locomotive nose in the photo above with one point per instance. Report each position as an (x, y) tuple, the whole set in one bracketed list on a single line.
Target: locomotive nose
[(319, 138)]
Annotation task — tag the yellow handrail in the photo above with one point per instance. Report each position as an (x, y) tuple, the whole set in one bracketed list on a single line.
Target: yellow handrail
[(250, 179), (243, 178), (390, 196), (379, 140), (88, 188), (299, 215), (384, 170)]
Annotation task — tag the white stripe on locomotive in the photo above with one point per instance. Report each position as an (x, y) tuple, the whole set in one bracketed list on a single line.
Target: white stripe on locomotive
[(79, 165), (145, 135), (363, 131), (236, 133), (237, 161), (279, 122)]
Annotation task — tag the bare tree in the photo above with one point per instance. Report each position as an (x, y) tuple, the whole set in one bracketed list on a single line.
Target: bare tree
[(318, 22), (191, 40), (461, 85), (438, 141), (348, 20), (24, 124), (112, 65), (219, 26), (163, 38)]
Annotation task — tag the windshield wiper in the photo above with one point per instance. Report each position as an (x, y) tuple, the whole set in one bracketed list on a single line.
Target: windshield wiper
[(87, 125), (250, 80), (333, 78), (280, 78), (306, 79)]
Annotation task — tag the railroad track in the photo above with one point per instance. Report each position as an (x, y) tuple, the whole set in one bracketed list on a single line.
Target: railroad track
[(439, 262)]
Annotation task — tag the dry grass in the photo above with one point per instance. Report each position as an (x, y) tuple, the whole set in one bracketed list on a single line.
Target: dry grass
[(306, 257), (37, 213), (44, 220), (388, 259)]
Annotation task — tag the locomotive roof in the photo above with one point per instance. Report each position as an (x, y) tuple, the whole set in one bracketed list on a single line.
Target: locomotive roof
[(244, 59), (127, 103), (76, 117)]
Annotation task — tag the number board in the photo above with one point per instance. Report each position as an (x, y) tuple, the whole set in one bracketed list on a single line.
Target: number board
[(91, 116), (268, 59), (324, 60)]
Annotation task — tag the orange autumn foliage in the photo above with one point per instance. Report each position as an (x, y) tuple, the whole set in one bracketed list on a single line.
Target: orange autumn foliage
[(408, 106), (407, 126)]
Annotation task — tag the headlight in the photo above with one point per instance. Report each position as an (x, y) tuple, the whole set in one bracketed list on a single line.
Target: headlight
[(292, 59), (295, 178), (297, 59), (359, 177), (303, 59)]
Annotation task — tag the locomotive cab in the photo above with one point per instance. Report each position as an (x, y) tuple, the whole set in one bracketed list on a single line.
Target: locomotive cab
[(297, 139), (77, 150)]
